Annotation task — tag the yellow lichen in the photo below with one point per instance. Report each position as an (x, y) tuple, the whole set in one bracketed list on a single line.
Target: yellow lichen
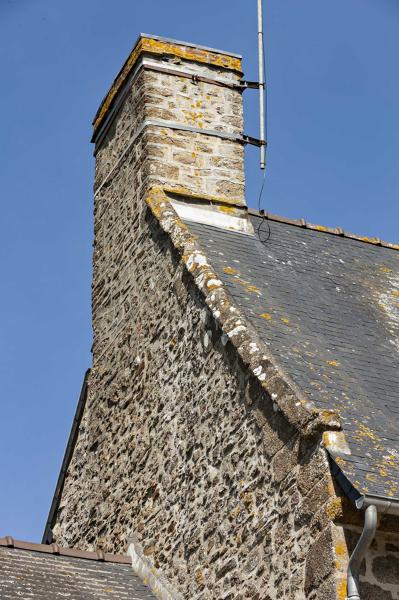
[(253, 288), (266, 316), (199, 578), (365, 431), (334, 508), (340, 549), (333, 363), (369, 240), (342, 589), (230, 271), (230, 210)]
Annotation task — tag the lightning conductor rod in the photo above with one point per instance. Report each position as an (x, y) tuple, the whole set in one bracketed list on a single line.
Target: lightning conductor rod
[(261, 86)]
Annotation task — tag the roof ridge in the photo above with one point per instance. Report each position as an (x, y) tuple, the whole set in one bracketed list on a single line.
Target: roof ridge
[(375, 241), (55, 549)]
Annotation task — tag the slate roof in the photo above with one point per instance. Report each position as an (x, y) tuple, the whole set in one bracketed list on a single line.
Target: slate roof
[(32, 571), (328, 308)]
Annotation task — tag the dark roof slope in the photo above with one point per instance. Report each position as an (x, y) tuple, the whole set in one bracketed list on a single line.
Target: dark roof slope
[(328, 307), (33, 571)]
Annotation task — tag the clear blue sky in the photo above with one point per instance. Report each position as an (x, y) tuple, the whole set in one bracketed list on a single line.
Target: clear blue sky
[(333, 159)]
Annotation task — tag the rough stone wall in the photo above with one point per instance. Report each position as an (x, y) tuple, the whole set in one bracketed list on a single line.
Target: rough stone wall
[(179, 444)]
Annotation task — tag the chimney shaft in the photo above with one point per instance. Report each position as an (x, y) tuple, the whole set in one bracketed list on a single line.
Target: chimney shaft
[(176, 108), (172, 119)]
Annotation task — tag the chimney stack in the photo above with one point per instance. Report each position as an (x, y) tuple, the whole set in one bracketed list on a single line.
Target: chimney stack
[(177, 109), (170, 127)]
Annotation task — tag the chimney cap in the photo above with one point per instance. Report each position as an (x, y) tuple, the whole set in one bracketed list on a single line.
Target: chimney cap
[(159, 38)]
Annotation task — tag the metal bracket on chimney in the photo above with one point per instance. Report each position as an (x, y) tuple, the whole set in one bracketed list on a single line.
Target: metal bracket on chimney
[(178, 71), (240, 139)]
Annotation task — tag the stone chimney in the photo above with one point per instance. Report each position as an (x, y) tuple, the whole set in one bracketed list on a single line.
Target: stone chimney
[(172, 121), (174, 118)]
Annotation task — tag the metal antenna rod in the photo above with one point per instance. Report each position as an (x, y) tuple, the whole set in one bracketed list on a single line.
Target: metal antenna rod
[(261, 86)]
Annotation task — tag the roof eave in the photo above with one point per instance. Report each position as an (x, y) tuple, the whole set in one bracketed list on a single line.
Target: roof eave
[(384, 504)]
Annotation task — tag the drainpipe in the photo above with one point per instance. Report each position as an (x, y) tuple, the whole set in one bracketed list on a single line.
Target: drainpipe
[(368, 533)]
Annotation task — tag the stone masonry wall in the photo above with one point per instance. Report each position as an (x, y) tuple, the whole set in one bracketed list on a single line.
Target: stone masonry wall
[(179, 444)]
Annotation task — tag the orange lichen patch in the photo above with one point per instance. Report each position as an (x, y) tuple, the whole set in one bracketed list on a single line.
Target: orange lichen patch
[(248, 286), (230, 271), (369, 240), (253, 288), (319, 228), (334, 508), (383, 472), (342, 589), (340, 549), (266, 316), (229, 210), (333, 363), (395, 293), (158, 47)]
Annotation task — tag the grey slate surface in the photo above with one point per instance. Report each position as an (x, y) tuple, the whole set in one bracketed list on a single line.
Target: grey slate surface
[(331, 319), (26, 574)]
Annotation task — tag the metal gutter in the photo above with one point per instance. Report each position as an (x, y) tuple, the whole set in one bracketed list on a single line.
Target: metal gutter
[(48, 534), (384, 504)]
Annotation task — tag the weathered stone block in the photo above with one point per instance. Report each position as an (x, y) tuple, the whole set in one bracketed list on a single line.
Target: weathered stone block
[(386, 568)]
